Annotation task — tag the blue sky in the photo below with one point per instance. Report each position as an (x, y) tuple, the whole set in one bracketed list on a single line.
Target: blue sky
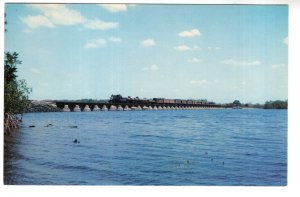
[(216, 52)]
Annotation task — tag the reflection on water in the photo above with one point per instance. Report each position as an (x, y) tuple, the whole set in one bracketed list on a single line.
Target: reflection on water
[(201, 147)]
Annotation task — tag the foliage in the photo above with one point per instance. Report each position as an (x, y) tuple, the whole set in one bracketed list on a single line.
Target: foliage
[(276, 104), (236, 103), (15, 91), (10, 66)]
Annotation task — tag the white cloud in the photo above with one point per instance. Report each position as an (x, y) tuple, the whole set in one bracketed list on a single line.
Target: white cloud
[(186, 48), (98, 24), (114, 7), (198, 82), (115, 39), (100, 42), (52, 15), (153, 67), (286, 40), (194, 60), (190, 33), (182, 48), (36, 21), (278, 66), (59, 14), (96, 43), (234, 62), (148, 43)]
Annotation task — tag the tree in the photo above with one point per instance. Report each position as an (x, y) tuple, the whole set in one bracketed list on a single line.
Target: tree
[(276, 104), (10, 66), (15, 92), (236, 103)]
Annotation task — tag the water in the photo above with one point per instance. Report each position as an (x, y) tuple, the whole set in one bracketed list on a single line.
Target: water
[(182, 147)]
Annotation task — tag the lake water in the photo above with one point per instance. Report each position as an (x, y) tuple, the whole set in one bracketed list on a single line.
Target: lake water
[(176, 147)]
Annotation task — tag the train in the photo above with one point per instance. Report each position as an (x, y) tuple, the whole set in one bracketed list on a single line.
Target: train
[(137, 100)]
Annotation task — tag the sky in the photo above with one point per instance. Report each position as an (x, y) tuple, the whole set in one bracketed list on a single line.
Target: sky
[(215, 52)]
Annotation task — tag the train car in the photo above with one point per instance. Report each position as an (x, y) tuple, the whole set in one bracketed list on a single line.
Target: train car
[(169, 101), (177, 101), (190, 102), (166, 101), (158, 100)]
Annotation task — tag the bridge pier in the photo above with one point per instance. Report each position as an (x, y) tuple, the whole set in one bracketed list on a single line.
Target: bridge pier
[(87, 108), (96, 108), (120, 108), (126, 108), (104, 108), (66, 108), (112, 108), (76, 108)]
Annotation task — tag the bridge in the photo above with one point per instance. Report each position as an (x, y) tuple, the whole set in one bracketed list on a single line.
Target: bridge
[(86, 106)]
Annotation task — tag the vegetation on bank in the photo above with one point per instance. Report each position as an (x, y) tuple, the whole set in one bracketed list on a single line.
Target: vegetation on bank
[(277, 104), (15, 92)]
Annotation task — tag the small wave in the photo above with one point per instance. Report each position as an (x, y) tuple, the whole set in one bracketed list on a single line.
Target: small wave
[(128, 122), (248, 138), (74, 167), (143, 123), (182, 117), (281, 164), (140, 135), (157, 171), (250, 154), (150, 136), (46, 163)]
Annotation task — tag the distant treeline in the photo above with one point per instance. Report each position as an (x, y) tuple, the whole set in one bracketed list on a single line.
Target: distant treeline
[(278, 104)]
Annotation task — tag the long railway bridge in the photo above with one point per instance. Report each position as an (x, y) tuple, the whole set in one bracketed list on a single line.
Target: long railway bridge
[(127, 106)]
